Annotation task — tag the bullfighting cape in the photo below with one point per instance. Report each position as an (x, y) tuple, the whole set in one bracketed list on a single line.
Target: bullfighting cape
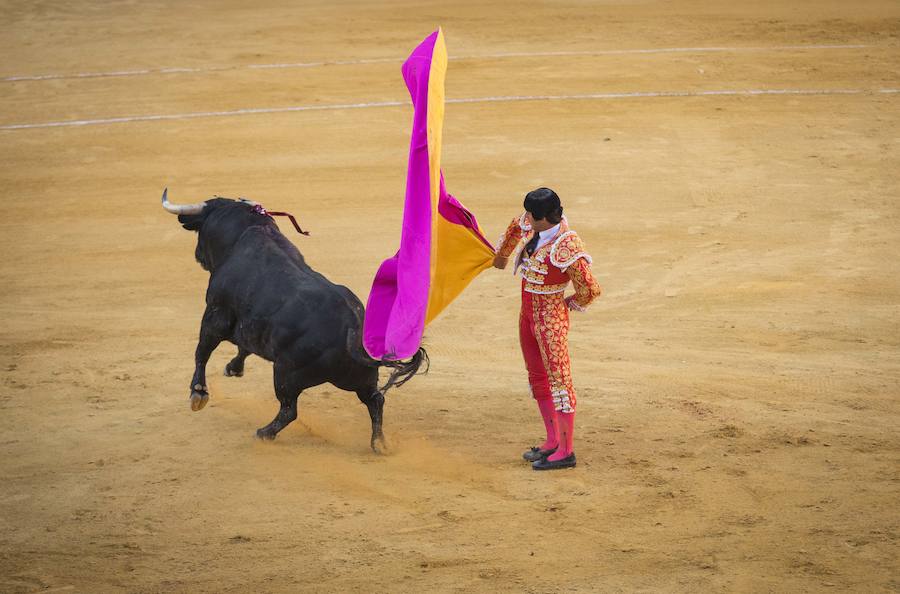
[(441, 246)]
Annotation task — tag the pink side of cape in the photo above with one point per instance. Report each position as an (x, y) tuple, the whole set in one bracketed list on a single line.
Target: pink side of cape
[(395, 312)]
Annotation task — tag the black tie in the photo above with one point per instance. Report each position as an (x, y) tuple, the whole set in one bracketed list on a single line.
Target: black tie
[(532, 245)]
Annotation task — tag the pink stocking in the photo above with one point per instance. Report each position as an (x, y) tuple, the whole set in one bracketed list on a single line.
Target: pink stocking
[(550, 423), (566, 423)]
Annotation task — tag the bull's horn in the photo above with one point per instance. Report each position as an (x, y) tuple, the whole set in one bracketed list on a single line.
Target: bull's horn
[(181, 209)]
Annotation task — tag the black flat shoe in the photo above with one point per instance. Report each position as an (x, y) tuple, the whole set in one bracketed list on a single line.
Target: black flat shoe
[(535, 454), (545, 464)]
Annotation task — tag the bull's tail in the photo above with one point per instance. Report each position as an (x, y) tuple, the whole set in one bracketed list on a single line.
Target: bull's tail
[(403, 371)]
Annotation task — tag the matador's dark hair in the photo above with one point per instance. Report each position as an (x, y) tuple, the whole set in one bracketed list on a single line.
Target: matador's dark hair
[(543, 203)]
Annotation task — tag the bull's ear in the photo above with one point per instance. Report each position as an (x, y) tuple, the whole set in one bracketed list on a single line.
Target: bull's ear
[(191, 222)]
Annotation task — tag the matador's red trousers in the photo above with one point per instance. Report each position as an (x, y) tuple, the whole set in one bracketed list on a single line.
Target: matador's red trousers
[(544, 336)]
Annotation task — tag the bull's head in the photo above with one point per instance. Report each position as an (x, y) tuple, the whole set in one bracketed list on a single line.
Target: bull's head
[(219, 222)]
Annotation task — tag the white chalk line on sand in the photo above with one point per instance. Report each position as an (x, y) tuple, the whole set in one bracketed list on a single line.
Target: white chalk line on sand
[(494, 99), (618, 52)]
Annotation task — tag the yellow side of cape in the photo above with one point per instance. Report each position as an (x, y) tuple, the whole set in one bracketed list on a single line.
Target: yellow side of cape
[(460, 257)]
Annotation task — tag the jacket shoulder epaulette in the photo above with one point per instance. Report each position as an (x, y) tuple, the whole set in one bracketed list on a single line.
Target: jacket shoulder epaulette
[(567, 248)]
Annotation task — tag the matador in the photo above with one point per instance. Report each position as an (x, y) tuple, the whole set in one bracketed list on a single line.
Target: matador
[(552, 255)]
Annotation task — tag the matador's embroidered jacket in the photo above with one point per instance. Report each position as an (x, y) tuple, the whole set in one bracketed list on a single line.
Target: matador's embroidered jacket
[(544, 319)]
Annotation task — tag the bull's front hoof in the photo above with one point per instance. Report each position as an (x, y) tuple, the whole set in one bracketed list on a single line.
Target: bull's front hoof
[(199, 400), (229, 372), (265, 434)]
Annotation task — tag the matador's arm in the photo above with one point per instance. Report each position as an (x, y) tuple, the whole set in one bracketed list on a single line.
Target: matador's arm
[(514, 234), (586, 286)]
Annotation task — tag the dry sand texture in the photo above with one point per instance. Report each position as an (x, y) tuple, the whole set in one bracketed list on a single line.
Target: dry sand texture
[(738, 380)]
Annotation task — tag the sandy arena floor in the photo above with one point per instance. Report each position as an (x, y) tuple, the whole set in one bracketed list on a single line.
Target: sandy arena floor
[(738, 381)]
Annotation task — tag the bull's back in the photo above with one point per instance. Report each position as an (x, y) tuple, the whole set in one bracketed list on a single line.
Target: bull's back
[(281, 307)]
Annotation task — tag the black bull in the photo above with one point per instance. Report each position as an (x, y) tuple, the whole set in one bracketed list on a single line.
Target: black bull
[(264, 298)]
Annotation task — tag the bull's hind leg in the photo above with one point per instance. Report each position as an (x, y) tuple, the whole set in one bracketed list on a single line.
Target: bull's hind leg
[(235, 367), (213, 330), (374, 401), (289, 382)]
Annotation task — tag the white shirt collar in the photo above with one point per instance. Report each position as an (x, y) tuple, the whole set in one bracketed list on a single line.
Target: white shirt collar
[(548, 233), (544, 237)]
